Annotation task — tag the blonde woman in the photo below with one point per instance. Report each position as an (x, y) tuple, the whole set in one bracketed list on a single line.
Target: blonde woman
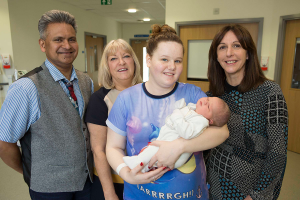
[(119, 69)]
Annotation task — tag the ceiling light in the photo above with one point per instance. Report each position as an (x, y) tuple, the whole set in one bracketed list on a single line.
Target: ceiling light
[(146, 19), (132, 10)]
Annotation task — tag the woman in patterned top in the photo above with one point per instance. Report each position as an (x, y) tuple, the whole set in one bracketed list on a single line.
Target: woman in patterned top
[(250, 164)]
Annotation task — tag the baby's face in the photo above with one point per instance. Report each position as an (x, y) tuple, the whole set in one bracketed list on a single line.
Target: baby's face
[(205, 106)]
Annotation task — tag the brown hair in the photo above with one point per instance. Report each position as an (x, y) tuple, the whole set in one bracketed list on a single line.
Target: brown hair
[(253, 76), (159, 34), (223, 115), (104, 75)]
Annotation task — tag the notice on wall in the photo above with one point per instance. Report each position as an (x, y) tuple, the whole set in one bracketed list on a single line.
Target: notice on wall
[(106, 2)]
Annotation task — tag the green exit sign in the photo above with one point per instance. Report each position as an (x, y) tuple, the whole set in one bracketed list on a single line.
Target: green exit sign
[(106, 2)]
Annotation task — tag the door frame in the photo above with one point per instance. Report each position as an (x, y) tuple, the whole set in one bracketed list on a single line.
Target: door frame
[(280, 44), (260, 22), (92, 34), (135, 39)]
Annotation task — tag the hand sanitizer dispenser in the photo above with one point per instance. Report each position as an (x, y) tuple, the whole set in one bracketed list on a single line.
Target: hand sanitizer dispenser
[(6, 61)]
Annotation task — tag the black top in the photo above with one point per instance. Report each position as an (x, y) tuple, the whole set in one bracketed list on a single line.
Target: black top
[(229, 88), (97, 111)]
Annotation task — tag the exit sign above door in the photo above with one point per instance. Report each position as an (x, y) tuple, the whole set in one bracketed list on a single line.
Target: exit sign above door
[(106, 2)]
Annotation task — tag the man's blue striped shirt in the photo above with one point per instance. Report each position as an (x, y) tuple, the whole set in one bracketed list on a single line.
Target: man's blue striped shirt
[(21, 107)]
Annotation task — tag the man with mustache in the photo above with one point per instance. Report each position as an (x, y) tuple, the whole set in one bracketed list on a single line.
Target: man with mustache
[(44, 110)]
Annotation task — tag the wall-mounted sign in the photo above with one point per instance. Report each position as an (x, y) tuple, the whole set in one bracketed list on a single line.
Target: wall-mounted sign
[(106, 2), (142, 35)]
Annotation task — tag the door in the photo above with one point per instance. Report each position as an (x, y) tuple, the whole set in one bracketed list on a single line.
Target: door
[(205, 32), (94, 46), (290, 81), (137, 46)]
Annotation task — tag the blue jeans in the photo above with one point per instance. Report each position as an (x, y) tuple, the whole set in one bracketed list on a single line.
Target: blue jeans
[(84, 194)]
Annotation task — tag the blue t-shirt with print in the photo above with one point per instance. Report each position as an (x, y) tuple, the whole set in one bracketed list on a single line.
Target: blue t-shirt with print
[(138, 115)]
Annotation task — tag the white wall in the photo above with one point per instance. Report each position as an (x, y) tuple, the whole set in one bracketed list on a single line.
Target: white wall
[(24, 17), (270, 10), (129, 30), (5, 33), (5, 45)]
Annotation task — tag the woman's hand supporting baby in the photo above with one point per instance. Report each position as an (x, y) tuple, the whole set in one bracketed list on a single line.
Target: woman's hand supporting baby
[(168, 153), (135, 176)]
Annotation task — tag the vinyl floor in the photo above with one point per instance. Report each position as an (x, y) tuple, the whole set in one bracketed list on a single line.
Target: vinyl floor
[(13, 187)]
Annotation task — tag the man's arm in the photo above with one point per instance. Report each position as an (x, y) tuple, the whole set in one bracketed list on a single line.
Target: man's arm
[(19, 110), (11, 155), (98, 142)]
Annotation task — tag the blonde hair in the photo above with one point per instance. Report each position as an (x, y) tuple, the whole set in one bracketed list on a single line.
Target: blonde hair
[(104, 75)]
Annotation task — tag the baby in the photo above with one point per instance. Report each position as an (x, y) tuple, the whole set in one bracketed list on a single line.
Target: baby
[(186, 122)]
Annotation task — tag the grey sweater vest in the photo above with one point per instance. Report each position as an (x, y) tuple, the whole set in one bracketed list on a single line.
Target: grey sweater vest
[(56, 153)]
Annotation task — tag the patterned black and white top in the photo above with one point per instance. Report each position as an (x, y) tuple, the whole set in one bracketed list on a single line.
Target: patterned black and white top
[(252, 160)]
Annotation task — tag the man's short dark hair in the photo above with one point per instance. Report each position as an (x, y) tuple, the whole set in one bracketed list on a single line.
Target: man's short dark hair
[(55, 16)]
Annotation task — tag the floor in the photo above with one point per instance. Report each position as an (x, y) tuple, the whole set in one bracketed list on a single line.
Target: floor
[(13, 187)]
